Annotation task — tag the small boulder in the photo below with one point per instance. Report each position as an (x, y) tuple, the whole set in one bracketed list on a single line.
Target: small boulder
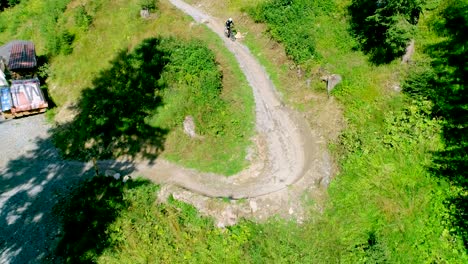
[(189, 126), (126, 178), (144, 13), (253, 206), (332, 81)]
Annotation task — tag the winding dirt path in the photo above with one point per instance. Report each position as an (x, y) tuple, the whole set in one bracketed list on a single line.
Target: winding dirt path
[(286, 146), (289, 158)]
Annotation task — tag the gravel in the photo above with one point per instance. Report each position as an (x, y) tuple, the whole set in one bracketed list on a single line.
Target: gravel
[(32, 178)]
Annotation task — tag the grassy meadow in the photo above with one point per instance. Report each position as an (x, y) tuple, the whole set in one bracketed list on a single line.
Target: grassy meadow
[(383, 206)]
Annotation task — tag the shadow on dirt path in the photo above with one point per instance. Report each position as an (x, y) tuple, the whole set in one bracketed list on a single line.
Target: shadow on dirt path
[(31, 185)]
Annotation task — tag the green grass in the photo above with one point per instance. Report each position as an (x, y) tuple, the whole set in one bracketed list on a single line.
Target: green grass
[(101, 31), (195, 89), (384, 201), (383, 206), (124, 224)]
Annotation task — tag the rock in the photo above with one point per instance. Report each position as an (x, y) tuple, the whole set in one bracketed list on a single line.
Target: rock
[(299, 72), (396, 88), (189, 127), (291, 211), (126, 178), (332, 81), (144, 13), (253, 206), (308, 82), (238, 35), (325, 181), (205, 21), (116, 176)]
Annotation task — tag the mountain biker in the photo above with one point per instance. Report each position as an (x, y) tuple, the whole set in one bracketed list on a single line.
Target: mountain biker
[(229, 23)]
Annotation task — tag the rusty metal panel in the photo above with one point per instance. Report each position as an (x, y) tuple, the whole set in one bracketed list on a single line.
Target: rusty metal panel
[(22, 56), (27, 95)]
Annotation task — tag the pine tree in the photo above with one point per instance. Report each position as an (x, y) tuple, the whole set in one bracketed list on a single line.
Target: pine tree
[(384, 27)]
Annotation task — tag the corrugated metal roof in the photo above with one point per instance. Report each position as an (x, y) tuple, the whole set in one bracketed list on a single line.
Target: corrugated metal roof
[(22, 56)]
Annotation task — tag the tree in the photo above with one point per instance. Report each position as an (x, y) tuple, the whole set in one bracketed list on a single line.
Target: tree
[(8, 3), (384, 27)]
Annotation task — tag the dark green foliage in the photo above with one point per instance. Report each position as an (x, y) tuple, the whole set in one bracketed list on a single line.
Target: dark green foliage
[(444, 81), (418, 81), (451, 99), (148, 4), (384, 27), (292, 23), (8, 3), (111, 114), (66, 42)]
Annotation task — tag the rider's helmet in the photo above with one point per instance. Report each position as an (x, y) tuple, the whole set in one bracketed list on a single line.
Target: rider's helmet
[(230, 19)]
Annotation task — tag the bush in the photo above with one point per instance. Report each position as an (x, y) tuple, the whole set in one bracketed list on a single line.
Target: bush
[(66, 42), (8, 3), (292, 23), (148, 5)]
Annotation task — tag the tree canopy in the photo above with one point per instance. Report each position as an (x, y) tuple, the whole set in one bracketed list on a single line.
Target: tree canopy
[(384, 27)]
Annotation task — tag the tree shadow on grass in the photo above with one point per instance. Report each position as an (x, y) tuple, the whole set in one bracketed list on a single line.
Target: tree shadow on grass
[(111, 115), (449, 91), (34, 177), (87, 214)]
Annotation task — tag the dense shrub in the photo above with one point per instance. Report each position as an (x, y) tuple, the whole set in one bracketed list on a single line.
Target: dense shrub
[(195, 87), (8, 3), (148, 4), (292, 23)]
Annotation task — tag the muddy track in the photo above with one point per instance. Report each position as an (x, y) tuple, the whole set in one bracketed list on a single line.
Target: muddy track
[(286, 147)]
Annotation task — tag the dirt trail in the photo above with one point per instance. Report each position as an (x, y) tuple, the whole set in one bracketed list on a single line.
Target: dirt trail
[(289, 159), (286, 147)]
